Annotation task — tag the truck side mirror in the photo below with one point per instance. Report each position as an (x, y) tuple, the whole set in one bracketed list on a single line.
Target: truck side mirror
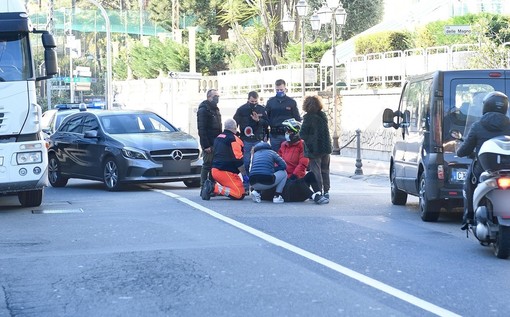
[(48, 41), (50, 55)]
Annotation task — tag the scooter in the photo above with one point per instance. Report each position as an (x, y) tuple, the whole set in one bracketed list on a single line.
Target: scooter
[(491, 198)]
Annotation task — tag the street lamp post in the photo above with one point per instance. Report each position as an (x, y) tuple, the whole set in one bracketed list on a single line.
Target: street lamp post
[(333, 12), (288, 25), (109, 79)]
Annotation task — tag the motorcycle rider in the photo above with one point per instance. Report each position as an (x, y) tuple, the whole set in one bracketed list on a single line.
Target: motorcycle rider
[(494, 122)]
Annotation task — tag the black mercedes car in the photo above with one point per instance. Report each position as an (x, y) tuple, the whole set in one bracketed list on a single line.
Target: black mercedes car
[(122, 146)]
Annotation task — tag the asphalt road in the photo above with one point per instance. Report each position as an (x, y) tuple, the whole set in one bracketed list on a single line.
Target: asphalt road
[(160, 250)]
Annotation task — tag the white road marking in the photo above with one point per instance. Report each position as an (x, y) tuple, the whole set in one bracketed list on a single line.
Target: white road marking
[(411, 299)]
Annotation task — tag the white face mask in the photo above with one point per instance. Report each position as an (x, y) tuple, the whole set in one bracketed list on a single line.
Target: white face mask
[(287, 137)]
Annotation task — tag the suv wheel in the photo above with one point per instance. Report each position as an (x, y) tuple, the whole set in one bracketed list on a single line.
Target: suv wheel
[(398, 197), (429, 209)]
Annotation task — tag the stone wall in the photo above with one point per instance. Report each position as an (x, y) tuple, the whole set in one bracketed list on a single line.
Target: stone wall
[(177, 100)]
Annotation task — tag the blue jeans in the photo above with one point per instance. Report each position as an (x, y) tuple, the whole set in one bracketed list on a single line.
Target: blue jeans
[(248, 145), (276, 141)]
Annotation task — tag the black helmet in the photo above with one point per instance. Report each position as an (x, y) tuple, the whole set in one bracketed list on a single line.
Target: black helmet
[(495, 102)]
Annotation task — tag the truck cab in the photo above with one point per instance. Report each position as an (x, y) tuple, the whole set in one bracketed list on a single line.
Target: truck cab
[(23, 153)]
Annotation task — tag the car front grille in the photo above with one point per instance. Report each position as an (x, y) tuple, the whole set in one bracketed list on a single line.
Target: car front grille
[(164, 155)]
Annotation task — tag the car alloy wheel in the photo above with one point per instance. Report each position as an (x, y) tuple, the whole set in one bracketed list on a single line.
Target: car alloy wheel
[(111, 175), (54, 173)]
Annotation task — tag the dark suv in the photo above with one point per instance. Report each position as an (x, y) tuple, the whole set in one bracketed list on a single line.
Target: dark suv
[(423, 161)]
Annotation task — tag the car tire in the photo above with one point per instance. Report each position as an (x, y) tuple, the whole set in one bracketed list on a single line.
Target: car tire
[(192, 183), (429, 209), (30, 198), (55, 173), (398, 197), (111, 175)]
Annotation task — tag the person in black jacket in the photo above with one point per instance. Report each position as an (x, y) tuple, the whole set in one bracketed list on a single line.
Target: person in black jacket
[(252, 121), (493, 123), (280, 108), (315, 133), (209, 126)]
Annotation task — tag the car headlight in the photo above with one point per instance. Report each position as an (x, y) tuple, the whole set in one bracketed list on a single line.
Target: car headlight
[(29, 157), (134, 153)]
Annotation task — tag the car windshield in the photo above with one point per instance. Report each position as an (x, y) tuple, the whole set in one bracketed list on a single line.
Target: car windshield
[(135, 123)]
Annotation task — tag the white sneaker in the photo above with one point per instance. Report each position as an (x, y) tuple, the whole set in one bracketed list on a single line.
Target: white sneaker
[(255, 195), (278, 199)]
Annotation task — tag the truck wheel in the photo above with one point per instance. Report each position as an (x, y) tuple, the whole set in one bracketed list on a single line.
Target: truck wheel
[(54, 173), (111, 175), (502, 244), (429, 209), (30, 198), (398, 197), (192, 183)]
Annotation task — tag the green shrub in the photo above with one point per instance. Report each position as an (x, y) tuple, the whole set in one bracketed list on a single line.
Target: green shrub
[(383, 42)]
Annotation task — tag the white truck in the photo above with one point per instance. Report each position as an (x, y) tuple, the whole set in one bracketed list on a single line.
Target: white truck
[(23, 152)]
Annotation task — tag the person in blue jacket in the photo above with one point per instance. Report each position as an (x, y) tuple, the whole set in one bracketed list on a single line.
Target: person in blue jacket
[(267, 170)]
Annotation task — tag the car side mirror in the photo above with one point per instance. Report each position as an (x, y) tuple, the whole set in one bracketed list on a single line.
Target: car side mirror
[(90, 134)]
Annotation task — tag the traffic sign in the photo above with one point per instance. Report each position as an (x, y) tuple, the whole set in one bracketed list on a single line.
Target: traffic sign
[(457, 29), (75, 79)]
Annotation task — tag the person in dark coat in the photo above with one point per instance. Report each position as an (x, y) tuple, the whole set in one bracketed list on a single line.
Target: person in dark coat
[(252, 121), (280, 108), (297, 186), (209, 127), (494, 122), (315, 133)]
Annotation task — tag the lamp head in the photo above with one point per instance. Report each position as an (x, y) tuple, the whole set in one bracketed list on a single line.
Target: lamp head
[(302, 8)]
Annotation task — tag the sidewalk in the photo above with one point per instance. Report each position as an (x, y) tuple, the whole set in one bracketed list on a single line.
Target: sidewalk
[(346, 166)]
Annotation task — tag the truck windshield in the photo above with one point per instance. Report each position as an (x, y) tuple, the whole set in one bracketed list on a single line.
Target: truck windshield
[(14, 57)]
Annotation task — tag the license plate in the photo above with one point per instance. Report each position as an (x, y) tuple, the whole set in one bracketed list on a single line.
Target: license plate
[(182, 166), (458, 175)]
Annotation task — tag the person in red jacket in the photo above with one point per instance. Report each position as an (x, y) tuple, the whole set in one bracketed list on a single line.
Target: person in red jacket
[(227, 164), (297, 187)]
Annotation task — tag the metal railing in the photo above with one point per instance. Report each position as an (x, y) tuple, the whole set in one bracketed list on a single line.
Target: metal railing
[(388, 69)]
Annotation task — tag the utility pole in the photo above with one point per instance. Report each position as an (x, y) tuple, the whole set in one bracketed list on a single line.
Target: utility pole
[(140, 2), (175, 15), (49, 27)]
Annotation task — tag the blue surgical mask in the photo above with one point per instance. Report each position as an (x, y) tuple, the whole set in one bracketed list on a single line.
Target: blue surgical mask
[(280, 93), (287, 137)]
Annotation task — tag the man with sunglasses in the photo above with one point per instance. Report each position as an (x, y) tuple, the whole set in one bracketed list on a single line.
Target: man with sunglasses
[(280, 108)]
